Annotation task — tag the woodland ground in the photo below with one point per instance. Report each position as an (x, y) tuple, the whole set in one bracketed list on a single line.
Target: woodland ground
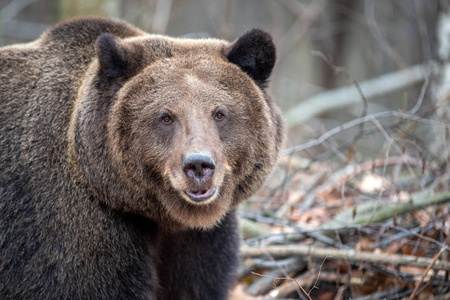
[(336, 221)]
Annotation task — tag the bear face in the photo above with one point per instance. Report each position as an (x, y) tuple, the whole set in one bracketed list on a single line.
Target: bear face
[(176, 130)]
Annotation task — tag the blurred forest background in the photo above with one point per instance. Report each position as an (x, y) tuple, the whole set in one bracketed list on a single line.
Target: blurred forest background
[(364, 179), (367, 38)]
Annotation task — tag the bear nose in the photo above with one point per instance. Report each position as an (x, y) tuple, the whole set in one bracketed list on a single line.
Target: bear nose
[(198, 166)]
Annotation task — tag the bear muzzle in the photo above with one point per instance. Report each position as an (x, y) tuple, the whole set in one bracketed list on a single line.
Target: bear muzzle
[(199, 167)]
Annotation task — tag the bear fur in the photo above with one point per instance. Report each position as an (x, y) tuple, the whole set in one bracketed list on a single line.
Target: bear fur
[(123, 156)]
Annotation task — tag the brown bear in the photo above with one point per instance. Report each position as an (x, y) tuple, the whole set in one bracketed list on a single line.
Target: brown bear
[(123, 156)]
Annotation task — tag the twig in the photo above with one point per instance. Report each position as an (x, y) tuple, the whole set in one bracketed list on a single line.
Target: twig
[(278, 269), (355, 122), (421, 236), (351, 255), (290, 279), (286, 270), (426, 272), (340, 69), (288, 288), (392, 142), (404, 233), (318, 275), (264, 284)]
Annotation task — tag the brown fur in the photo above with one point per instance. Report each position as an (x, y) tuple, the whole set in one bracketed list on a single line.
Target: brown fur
[(84, 151), (191, 87)]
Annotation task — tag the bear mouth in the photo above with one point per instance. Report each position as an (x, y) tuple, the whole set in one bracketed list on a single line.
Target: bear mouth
[(201, 195)]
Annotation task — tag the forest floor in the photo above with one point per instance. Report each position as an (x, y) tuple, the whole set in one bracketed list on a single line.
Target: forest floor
[(343, 225)]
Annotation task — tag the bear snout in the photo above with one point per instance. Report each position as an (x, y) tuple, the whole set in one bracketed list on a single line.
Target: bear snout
[(198, 166)]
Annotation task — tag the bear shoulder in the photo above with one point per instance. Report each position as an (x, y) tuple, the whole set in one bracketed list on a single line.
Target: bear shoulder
[(84, 31)]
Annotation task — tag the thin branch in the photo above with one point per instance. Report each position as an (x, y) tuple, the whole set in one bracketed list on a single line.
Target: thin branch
[(341, 69), (318, 275), (279, 251), (290, 279), (426, 272), (395, 145), (355, 122)]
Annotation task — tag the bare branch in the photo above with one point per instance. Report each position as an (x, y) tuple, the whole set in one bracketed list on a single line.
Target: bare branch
[(349, 95), (279, 251), (355, 122), (376, 211)]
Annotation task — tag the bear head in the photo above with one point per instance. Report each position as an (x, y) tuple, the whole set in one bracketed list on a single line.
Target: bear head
[(177, 130)]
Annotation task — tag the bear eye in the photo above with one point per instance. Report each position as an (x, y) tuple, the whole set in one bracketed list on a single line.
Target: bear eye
[(220, 115), (165, 119)]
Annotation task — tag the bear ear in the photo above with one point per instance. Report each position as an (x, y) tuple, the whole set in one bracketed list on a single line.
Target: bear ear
[(255, 53), (115, 58)]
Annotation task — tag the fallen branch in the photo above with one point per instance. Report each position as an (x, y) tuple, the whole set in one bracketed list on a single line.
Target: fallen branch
[(376, 211), (350, 255), (349, 95)]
